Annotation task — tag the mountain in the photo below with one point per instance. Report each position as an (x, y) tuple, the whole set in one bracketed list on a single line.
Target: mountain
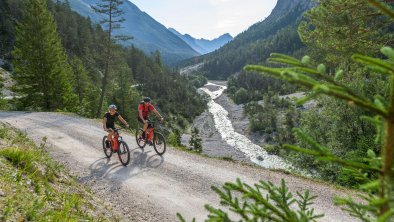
[(277, 33), (203, 46), (149, 35)]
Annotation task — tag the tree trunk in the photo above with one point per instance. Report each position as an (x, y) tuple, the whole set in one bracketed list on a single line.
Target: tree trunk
[(387, 172), (387, 177), (106, 72), (103, 89)]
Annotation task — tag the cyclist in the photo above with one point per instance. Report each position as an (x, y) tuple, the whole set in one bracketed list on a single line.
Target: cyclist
[(109, 121), (144, 108)]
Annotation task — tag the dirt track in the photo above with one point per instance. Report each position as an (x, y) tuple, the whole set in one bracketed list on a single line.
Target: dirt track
[(151, 188)]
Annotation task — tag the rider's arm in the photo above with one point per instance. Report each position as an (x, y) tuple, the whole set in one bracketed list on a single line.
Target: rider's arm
[(105, 124), (157, 113), (123, 121), (142, 117)]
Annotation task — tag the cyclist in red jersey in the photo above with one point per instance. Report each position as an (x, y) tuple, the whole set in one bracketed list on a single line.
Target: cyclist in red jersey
[(144, 108)]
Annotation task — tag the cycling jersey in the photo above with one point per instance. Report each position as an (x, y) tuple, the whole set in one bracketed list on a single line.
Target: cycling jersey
[(111, 119), (145, 110)]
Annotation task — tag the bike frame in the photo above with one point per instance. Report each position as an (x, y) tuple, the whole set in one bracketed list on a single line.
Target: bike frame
[(115, 140), (150, 133)]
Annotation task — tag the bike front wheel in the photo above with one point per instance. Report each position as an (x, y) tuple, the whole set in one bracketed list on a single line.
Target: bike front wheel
[(159, 143), (124, 153), (141, 142), (107, 150)]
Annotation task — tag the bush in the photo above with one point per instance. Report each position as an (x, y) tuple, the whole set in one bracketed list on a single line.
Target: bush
[(174, 138), (272, 149), (196, 141), (241, 96)]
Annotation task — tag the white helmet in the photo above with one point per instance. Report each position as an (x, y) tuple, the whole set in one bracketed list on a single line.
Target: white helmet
[(112, 106)]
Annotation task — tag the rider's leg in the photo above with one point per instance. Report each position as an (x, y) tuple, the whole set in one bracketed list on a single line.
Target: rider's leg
[(110, 135), (145, 130)]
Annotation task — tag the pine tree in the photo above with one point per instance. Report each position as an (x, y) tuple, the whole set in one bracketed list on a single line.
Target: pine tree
[(112, 20), (334, 30), (338, 28), (195, 141), (42, 73), (87, 92), (379, 207)]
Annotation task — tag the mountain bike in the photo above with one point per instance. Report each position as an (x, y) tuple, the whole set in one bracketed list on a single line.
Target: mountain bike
[(117, 145), (152, 138)]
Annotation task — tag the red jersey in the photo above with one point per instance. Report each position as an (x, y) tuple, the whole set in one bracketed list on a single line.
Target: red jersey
[(145, 109)]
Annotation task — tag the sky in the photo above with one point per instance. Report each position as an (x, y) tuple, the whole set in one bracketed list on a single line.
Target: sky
[(207, 18)]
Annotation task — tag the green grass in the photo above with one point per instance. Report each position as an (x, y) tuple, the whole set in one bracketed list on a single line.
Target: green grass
[(36, 188)]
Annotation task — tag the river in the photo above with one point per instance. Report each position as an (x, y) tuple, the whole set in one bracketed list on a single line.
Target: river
[(223, 125)]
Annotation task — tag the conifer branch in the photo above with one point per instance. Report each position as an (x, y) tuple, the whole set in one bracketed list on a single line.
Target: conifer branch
[(384, 8), (331, 158), (330, 90)]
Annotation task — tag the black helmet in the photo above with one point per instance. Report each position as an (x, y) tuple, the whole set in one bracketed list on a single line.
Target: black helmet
[(147, 99)]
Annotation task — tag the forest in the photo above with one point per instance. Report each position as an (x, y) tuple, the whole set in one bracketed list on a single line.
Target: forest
[(73, 55)]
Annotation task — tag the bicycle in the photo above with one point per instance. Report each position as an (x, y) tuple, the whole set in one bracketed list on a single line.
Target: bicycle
[(153, 138), (117, 145)]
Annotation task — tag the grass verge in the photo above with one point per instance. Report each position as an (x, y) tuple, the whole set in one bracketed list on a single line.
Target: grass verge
[(33, 187)]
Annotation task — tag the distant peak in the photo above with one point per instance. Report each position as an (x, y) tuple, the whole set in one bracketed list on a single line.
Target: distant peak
[(226, 35), (202, 45)]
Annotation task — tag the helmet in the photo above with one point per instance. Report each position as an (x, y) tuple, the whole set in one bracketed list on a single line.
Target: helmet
[(112, 106), (147, 99)]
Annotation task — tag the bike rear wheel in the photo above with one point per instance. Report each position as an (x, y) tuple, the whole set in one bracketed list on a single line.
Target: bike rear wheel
[(159, 143), (124, 153), (141, 142), (107, 151)]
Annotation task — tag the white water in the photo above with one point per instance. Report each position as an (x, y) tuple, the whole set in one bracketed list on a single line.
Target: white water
[(223, 124)]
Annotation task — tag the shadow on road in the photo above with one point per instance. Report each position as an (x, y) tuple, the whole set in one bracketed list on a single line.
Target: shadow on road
[(112, 169)]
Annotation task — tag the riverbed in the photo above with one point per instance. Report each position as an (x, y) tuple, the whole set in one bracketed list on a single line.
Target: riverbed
[(224, 140)]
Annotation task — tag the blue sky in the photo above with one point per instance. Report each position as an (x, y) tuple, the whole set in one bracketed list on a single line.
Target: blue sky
[(207, 18)]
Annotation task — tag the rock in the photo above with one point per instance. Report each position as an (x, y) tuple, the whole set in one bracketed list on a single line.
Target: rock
[(2, 194), (260, 158)]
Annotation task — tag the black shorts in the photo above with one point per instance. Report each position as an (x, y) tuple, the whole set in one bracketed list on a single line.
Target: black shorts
[(141, 121), (110, 127)]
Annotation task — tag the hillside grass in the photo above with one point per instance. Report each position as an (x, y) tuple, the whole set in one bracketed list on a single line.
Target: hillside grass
[(33, 187)]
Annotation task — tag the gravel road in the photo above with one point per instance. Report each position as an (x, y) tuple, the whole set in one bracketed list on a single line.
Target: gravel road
[(152, 188)]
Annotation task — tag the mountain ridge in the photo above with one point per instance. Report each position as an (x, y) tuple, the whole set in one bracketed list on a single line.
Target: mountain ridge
[(202, 45), (148, 34), (276, 33)]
